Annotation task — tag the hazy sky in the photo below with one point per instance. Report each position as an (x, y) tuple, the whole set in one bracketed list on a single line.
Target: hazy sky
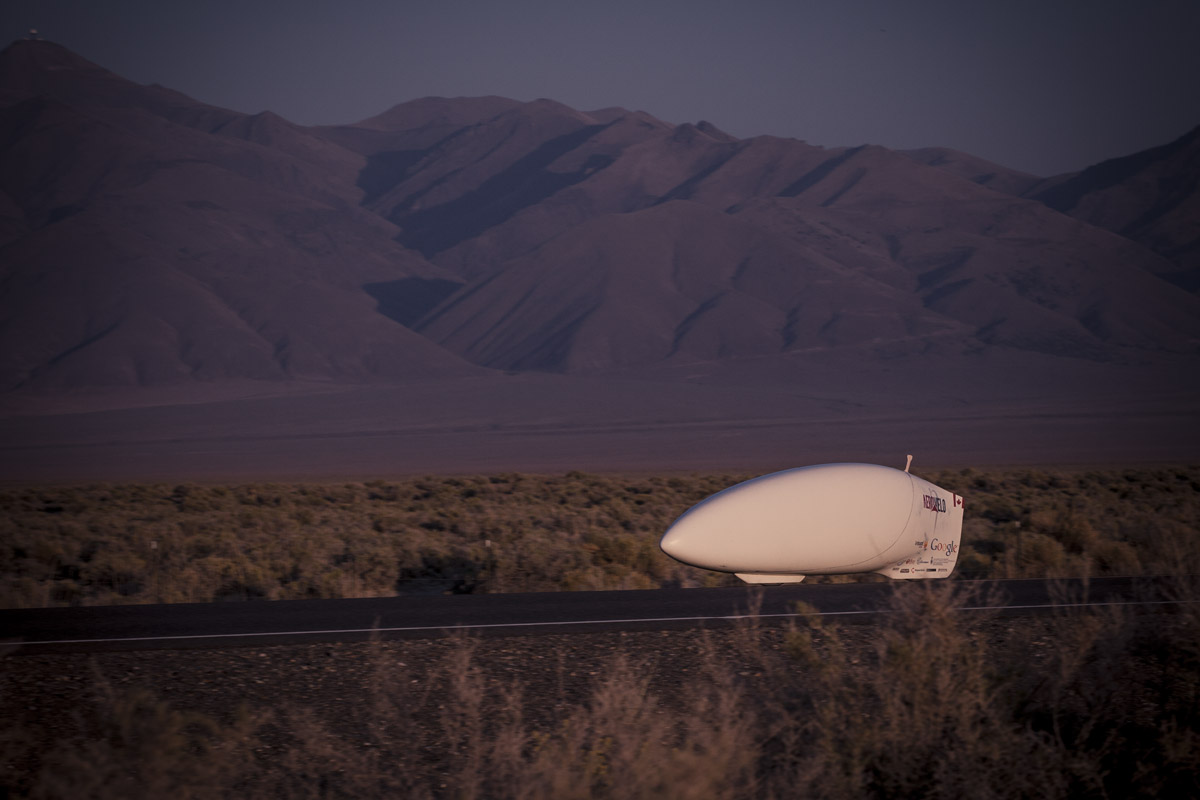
[(1046, 86)]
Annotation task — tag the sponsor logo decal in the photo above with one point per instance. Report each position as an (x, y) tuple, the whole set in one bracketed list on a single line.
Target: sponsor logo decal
[(946, 548), (935, 503)]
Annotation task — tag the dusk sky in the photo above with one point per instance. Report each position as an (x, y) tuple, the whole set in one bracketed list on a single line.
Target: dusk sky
[(1045, 87)]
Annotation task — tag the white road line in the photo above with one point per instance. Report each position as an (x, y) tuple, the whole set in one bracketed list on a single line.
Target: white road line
[(623, 621)]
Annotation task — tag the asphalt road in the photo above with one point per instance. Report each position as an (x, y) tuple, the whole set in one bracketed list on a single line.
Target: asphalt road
[(212, 625)]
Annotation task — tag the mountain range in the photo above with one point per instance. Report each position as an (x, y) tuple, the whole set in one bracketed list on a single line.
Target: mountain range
[(156, 250)]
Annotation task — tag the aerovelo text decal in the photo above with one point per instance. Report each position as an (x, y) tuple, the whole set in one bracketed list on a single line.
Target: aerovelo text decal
[(935, 503)]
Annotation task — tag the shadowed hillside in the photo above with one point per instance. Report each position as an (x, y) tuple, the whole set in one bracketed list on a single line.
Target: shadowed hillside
[(1152, 197), (162, 241)]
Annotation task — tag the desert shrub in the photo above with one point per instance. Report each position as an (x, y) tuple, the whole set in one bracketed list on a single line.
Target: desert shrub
[(1115, 558), (133, 745), (511, 532), (920, 719), (1042, 551), (942, 707)]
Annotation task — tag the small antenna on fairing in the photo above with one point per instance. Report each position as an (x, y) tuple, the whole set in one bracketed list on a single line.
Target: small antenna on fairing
[(908, 463)]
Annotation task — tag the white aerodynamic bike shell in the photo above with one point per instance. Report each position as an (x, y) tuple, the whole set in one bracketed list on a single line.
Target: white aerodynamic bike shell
[(823, 520)]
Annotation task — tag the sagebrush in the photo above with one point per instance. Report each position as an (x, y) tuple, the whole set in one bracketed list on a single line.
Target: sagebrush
[(150, 543)]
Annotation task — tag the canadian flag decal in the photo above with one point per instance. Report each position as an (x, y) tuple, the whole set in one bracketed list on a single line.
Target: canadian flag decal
[(957, 501)]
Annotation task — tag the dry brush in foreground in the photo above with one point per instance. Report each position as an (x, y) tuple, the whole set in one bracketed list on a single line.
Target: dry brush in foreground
[(925, 702)]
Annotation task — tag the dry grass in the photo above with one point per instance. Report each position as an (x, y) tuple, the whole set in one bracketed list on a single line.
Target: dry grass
[(930, 703)]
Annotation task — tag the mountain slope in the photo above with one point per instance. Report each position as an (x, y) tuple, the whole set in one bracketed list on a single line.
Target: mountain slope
[(150, 251), (148, 239), (977, 170), (677, 281), (1151, 197), (995, 268)]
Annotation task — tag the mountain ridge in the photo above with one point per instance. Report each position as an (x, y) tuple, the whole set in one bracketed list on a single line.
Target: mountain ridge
[(150, 239)]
